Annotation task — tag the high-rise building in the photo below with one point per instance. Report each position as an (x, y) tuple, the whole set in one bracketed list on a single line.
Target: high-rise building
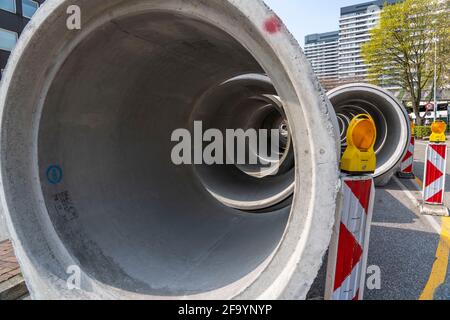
[(322, 51), (14, 15), (336, 56), (354, 25)]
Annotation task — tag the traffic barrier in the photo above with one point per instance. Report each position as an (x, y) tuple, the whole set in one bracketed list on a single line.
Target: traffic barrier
[(433, 191), (407, 166), (347, 255), (435, 173), (347, 261)]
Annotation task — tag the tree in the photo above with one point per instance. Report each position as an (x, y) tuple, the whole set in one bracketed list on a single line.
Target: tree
[(402, 48)]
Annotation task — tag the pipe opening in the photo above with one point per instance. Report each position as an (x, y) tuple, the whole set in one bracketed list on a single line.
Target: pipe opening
[(248, 102), (390, 119)]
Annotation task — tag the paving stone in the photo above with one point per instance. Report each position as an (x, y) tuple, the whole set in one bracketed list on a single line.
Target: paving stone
[(11, 281)]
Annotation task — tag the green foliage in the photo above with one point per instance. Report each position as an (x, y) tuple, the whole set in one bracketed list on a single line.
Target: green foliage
[(421, 132), (402, 48)]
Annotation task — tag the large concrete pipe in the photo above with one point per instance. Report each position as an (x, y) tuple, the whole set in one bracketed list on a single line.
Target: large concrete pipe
[(86, 174), (391, 119)]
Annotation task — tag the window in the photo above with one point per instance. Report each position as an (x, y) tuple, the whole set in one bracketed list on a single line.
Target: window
[(8, 5), (29, 7), (8, 40)]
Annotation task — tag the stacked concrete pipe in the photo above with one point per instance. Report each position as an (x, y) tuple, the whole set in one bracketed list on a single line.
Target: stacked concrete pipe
[(98, 107)]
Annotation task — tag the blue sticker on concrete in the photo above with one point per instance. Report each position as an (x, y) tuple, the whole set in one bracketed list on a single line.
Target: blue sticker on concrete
[(54, 174)]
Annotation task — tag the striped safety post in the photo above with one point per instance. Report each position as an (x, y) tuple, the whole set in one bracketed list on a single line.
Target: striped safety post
[(435, 172), (407, 166), (435, 168), (348, 252)]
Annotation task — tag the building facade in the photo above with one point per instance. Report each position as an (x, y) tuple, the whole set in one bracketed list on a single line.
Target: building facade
[(322, 50), (14, 15), (355, 23), (336, 56)]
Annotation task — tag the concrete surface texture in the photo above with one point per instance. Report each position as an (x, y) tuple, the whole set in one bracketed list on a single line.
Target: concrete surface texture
[(4, 235), (98, 191)]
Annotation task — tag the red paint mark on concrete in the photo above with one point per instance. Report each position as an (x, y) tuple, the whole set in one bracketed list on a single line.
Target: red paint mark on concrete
[(272, 25)]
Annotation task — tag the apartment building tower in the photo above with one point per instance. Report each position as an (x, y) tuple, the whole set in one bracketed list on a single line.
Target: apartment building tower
[(355, 24), (322, 50)]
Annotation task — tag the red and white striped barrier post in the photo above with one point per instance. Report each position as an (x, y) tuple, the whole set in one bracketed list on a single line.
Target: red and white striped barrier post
[(433, 191), (348, 253), (407, 166), (435, 172), (349, 247)]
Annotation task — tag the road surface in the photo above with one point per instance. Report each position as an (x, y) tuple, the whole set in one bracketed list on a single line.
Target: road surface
[(408, 248)]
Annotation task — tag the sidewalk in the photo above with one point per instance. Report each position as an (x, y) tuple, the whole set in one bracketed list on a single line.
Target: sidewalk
[(12, 285)]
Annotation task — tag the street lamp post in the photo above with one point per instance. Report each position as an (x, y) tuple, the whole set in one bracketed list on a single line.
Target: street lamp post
[(435, 80)]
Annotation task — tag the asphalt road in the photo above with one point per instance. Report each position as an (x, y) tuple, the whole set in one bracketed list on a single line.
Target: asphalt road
[(404, 244)]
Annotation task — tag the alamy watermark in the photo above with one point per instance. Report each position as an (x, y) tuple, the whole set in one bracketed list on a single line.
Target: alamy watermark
[(73, 21), (232, 147), (73, 282), (373, 280)]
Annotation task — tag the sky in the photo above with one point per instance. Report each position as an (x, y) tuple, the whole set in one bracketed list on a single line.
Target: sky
[(304, 17)]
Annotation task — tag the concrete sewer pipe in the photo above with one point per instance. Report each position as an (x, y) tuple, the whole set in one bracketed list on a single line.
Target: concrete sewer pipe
[(391, 119), (86, 173)]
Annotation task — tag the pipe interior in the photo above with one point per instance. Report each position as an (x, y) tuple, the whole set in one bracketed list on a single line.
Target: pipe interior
[(388, 116), (248, 102), (133, 219)]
